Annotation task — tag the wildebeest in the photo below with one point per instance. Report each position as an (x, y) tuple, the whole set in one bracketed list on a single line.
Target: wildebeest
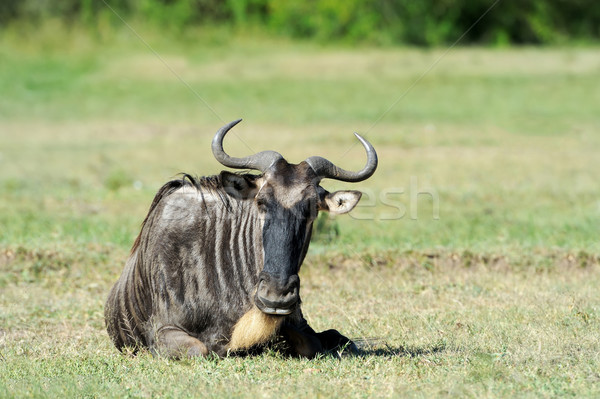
[(215, 266)]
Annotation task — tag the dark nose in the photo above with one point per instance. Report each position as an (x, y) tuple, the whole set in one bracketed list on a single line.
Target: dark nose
[(276, 295)]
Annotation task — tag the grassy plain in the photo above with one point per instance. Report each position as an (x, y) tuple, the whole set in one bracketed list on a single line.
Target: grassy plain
[(493, 296)]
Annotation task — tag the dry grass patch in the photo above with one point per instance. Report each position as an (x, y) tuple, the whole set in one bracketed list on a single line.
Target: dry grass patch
[(427, 324)]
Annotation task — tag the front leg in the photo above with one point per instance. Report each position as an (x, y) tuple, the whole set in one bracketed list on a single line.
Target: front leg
[(333, 340), (172, 342), (301, 343), (305, 342)]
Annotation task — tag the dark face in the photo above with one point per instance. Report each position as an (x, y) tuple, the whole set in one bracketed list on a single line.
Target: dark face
[(288, 198), (288, 201)]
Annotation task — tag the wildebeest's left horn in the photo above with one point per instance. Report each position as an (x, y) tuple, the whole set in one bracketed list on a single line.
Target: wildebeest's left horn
[(260, 161), (325, 169)]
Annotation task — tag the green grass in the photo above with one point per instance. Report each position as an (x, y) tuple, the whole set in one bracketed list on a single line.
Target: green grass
[(495, 297), (428, 326)]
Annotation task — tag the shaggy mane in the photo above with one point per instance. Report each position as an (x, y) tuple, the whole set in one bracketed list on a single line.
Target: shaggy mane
[(202, 184)]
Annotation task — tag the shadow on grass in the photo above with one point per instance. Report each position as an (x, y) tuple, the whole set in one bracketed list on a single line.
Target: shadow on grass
[(365, 347), (370, 348)]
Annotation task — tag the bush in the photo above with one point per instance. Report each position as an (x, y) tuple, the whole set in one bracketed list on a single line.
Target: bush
[(420, 22)]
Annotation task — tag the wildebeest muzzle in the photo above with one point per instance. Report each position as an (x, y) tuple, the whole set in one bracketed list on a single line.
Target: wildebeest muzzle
[(277, 296)]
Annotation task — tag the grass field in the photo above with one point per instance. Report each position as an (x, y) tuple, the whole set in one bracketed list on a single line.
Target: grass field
[(470, 268)]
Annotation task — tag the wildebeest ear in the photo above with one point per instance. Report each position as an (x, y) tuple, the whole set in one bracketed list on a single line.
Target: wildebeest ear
[(340, 201), (238, 186)]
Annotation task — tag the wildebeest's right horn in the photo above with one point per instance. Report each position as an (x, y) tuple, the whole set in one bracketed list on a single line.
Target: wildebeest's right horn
[(260, 161), (325, 169)]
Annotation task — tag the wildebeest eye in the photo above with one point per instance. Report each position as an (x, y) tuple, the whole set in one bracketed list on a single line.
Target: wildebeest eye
[(261, 203)]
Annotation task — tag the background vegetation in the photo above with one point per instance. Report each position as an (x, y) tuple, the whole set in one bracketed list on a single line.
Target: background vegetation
[(426, 22), (496, 297)]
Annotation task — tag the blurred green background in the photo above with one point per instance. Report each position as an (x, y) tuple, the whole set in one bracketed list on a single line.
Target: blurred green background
[(103, 102), (426, 22)]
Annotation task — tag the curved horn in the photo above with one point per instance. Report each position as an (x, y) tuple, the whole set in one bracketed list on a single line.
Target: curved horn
[(260, 161), (325, 169)]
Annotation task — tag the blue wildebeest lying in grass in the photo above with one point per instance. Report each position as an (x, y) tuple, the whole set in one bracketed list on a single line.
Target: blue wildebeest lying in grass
[(215, 266)]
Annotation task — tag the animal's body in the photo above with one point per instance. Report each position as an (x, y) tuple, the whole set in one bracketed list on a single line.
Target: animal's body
[(215, 266)]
